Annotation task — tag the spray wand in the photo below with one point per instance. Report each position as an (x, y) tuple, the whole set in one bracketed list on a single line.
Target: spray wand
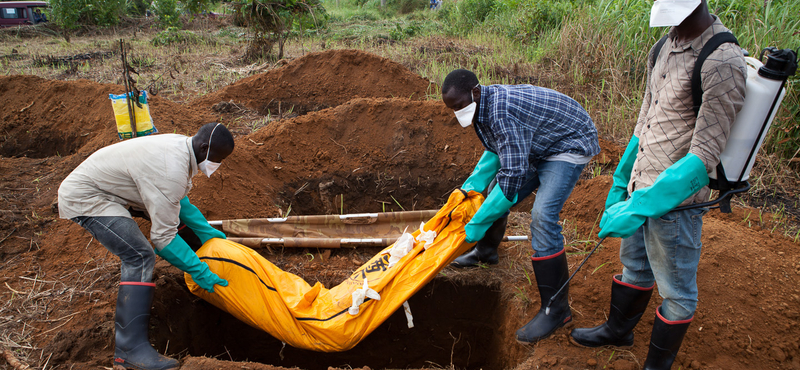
[(553, 298)]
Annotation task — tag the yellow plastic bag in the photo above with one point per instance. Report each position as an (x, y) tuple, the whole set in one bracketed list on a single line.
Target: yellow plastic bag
[(321, 319), (144, 123)]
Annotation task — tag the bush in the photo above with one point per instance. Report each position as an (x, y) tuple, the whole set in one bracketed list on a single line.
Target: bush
[(168, 14), (411, 29), (70, 14), (194, 7)]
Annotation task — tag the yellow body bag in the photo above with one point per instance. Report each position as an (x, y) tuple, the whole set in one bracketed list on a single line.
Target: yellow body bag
[(317, 318)]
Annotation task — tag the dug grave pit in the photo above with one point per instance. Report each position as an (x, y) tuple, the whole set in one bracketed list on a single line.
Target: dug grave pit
[(455, 324), (370, 192)]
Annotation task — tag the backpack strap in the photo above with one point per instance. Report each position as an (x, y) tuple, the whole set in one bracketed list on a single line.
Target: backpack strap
[(712, 44), (657, 49)]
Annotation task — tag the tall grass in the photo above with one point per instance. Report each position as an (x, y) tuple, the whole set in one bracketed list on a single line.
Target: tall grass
[(593, 50), (603, 45), (622, 36)]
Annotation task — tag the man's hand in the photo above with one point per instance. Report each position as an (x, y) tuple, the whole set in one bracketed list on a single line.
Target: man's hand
[(678, 182), (178, 253), (214, 233), (207, 279), (619, 221), (495, 206)]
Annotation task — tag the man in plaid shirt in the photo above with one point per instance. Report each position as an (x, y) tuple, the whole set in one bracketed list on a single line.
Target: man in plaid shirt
[(535, 139)]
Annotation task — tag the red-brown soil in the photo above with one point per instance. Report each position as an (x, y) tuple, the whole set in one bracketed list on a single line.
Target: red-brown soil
[(321, 80), (374, 149)]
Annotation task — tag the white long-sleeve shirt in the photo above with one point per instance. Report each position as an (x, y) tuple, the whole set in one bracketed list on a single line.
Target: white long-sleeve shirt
[(151, 172)]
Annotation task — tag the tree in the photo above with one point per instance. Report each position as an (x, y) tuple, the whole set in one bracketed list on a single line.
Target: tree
[(273, 21)]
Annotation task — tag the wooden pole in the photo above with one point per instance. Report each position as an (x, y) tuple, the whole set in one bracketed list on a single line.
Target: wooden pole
[(128, 88)]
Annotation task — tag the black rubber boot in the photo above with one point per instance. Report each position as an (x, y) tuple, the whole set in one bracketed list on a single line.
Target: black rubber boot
[(551, 273), (132, 347), (485, 250), (628, 303), (665, 342)]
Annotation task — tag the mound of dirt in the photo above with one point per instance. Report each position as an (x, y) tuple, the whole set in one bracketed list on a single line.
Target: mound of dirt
[(43, 118), (367, 155), (321, 80)]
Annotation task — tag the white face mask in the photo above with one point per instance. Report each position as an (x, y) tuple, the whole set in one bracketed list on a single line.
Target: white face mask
[(671, 12), (207, 167), (464, 115)]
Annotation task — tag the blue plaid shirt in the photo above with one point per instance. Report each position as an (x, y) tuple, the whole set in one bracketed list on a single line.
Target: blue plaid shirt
[(525, 124)]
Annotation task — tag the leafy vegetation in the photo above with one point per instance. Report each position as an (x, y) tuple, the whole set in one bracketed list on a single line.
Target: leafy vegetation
[(168, 14), (70, 14), (273, 21)]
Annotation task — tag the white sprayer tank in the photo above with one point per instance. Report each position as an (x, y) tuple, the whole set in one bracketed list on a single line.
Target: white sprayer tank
[(760, 94)]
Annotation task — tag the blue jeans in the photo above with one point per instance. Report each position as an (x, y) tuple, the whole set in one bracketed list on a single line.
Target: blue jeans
[(554, 181), (666, 251), (121, 236)]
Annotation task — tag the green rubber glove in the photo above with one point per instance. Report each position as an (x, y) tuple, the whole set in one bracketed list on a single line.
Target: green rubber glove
[(492, 208), (678, 182), (484, 172), (192, 217), (178, 253), (622, 175)]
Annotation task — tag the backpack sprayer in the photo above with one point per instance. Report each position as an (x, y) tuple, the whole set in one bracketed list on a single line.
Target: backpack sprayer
[(765, 89), (765, 92)]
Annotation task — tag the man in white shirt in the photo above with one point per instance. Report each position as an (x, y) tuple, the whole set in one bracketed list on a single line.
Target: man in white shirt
[(153, 174)]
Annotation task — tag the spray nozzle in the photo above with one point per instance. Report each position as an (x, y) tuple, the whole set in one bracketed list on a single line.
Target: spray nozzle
[(780, 64)]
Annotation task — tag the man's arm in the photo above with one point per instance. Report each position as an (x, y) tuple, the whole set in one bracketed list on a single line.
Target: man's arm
[(724, 85), (641, 120), (513, 147), (484, 172), (195, 220), (723, 79), (162, 199), (622, 174)]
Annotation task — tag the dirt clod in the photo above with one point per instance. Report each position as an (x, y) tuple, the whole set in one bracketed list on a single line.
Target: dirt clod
[(777, 354)]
